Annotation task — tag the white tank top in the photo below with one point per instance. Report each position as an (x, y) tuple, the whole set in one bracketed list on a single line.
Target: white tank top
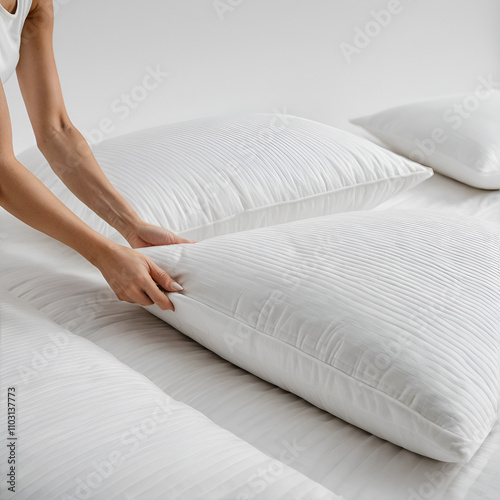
[(11, 26)]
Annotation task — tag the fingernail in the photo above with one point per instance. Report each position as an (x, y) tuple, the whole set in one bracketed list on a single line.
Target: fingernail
[(175, 286)]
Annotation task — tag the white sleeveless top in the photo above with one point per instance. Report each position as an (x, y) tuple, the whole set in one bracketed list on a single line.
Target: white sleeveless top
[(11, 26)]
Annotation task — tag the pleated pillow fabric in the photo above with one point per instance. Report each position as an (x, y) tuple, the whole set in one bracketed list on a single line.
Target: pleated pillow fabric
[(90, 427), (389, 320), (458, 136), (215, 175)]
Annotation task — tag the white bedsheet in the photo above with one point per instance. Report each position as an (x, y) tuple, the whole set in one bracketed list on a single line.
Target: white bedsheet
[(344, 459), (447, 195), (88, 426)]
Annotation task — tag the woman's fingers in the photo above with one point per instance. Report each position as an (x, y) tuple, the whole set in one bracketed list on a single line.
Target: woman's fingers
[(146, 235), (158, 297), (141, 298), (164, 279), (137, 279), (146, 295), (184, 240), (155, 278)]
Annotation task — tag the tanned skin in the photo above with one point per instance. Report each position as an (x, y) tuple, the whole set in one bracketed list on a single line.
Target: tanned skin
[(132, 276)]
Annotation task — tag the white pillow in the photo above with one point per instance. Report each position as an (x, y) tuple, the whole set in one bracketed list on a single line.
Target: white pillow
[(388, 320), (115, 434), (458, 136), (216, 175)]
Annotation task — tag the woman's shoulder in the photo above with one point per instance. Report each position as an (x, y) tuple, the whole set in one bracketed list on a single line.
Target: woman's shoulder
[(39, 5)]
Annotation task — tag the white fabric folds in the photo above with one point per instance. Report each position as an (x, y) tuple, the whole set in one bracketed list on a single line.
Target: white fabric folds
[(458, 136), (216, 175), (89, 426), (387, 319)]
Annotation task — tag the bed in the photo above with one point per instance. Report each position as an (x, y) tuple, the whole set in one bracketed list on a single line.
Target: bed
[(111, 402)]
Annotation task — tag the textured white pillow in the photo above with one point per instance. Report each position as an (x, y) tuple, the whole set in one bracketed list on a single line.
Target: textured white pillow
[(458, 136), (161, 448), (389, 320), (216, 175)]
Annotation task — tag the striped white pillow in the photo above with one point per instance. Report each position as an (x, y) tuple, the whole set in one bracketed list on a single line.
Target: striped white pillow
[(387, 319), (215, 175)]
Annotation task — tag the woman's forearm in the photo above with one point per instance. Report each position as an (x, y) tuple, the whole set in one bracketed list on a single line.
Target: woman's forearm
[(132, 276), (25, 197), (73, 161)]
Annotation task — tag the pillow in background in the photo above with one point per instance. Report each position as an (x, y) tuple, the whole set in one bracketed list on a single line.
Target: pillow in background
[(389, 320), (457, 136), (215, 175)]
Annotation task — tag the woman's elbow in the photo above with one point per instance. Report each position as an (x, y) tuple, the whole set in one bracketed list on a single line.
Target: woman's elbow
[(49, 133), (8, 163)]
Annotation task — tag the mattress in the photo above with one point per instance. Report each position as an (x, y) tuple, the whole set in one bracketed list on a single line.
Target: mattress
[(329, 457)]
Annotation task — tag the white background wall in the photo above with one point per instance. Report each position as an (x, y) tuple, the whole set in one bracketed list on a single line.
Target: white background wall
[(261, 55)]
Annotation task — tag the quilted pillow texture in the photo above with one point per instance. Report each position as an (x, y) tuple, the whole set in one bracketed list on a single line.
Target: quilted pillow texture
[(115, 434), (458, 136), (389, 320), (215, 175)]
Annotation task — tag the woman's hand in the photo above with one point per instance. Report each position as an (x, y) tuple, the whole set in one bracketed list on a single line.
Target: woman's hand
[(147, 235), (135, 278), (131, 275)]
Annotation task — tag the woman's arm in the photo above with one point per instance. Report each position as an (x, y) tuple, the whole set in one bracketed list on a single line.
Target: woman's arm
[(131, 275), (63, 146)]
